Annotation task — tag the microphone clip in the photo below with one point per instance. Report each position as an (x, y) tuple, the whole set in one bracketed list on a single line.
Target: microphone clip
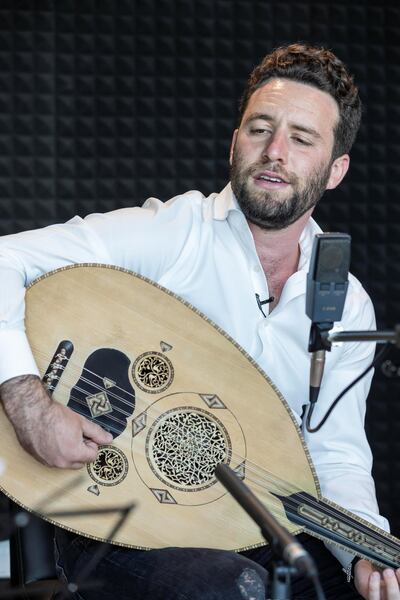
[(318, 339)]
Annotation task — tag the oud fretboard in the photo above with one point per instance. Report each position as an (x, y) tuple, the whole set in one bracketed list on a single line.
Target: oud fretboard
[(324, 520)]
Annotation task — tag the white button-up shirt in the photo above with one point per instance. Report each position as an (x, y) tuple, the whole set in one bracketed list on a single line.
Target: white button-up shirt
[(203, 250)]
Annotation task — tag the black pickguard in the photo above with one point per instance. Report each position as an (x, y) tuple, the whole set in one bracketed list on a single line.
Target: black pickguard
[(104, 385)]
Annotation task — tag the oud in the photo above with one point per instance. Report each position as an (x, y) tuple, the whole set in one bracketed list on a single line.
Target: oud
[(179, 397)]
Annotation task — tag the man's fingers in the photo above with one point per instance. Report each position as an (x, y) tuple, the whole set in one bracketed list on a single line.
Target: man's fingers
[(374, 587), (88, 451), (90, 444), (95, 432), (392, 585), (77, 465)]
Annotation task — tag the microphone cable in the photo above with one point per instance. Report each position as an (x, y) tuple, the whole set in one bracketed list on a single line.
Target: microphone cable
[(378, 358), (318, 588)]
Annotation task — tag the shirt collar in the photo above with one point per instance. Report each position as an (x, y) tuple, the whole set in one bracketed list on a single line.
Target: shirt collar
[(225, 202), (306, 242)]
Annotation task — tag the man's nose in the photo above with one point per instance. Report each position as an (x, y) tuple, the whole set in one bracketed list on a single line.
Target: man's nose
[(276, 147)]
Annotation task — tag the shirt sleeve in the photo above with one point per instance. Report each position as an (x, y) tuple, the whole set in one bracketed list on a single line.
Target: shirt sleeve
[(340, 450), (146, 240)]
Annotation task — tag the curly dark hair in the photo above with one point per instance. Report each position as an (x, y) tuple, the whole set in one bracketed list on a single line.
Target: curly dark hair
[(320, 68)]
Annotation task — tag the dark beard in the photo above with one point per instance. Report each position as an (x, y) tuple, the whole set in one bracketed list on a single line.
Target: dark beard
[(263, 208)]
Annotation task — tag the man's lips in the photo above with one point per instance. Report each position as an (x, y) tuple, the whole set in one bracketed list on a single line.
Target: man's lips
[(269, 179)]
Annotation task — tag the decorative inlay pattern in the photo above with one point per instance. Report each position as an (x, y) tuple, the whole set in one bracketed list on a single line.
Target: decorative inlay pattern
[(165, 347), (241, 470), (58, 365), (331, 520), (139, 423), (212, 400), (94, 489), (153, 372), (185, 445), (108, 383), (110, 466), (99, 404), (163, 496)]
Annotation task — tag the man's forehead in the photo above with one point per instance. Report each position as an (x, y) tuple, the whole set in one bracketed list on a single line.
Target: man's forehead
[(294, 97)]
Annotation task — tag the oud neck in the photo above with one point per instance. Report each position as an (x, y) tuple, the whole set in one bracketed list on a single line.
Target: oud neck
[(323, 519)]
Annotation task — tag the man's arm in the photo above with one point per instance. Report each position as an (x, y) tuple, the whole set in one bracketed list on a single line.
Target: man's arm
[(54, 434), (127, 238), (51, 432)]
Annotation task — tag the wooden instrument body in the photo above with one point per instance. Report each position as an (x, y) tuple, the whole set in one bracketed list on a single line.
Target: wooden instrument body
[(208, 384)]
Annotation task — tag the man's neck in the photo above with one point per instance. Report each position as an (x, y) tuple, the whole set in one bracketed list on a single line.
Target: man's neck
[(279, 253)]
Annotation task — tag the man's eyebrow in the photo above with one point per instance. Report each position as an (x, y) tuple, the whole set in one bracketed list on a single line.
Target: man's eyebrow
[(309, 130), (256, 116), (296, 126)]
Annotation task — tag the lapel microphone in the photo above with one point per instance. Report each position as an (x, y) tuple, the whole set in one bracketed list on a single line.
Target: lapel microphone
[(261, 303)]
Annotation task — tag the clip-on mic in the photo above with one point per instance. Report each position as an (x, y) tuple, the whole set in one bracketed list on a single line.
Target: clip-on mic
[(260, 303)]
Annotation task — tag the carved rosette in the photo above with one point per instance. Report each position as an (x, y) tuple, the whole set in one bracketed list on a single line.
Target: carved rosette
[(183, 447), (152, 372), (110, 466)]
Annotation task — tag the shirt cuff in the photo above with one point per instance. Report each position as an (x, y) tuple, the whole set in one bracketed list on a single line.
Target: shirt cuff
[(16, 356), (343, 556)]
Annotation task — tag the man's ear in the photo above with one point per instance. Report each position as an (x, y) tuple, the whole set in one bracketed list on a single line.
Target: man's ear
[(339, 168), (233, 142)]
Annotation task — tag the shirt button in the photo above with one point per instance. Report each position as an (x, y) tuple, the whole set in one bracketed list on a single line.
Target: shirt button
[(257, 269)]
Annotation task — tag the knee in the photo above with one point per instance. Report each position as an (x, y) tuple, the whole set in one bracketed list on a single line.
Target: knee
[(250, 585), (224, 575)]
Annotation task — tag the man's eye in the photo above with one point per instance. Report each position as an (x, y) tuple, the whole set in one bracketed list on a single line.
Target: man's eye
[(258, 131), (301, 141)]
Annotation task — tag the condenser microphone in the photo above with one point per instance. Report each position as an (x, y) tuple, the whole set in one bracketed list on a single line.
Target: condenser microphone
[(327, 283)]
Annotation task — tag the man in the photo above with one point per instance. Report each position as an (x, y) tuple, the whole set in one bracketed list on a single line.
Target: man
[(299, 117)]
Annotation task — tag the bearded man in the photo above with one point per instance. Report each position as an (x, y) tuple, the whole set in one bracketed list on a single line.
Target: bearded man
[(299, 117)]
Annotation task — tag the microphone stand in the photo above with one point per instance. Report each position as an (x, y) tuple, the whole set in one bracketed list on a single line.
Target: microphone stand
[(291, 556), (281, 574), (383, 336), (323, 338)]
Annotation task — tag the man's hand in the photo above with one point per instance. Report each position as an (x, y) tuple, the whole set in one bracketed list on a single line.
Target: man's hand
[(374, 585), (54, 434)]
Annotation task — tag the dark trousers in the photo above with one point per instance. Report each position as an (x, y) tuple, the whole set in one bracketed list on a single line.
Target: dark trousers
[(191, 573)]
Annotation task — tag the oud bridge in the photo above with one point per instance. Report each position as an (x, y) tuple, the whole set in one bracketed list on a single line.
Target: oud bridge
[(57, 365)]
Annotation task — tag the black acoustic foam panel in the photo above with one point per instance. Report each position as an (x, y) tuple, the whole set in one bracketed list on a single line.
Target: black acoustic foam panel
[(105, 103)]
